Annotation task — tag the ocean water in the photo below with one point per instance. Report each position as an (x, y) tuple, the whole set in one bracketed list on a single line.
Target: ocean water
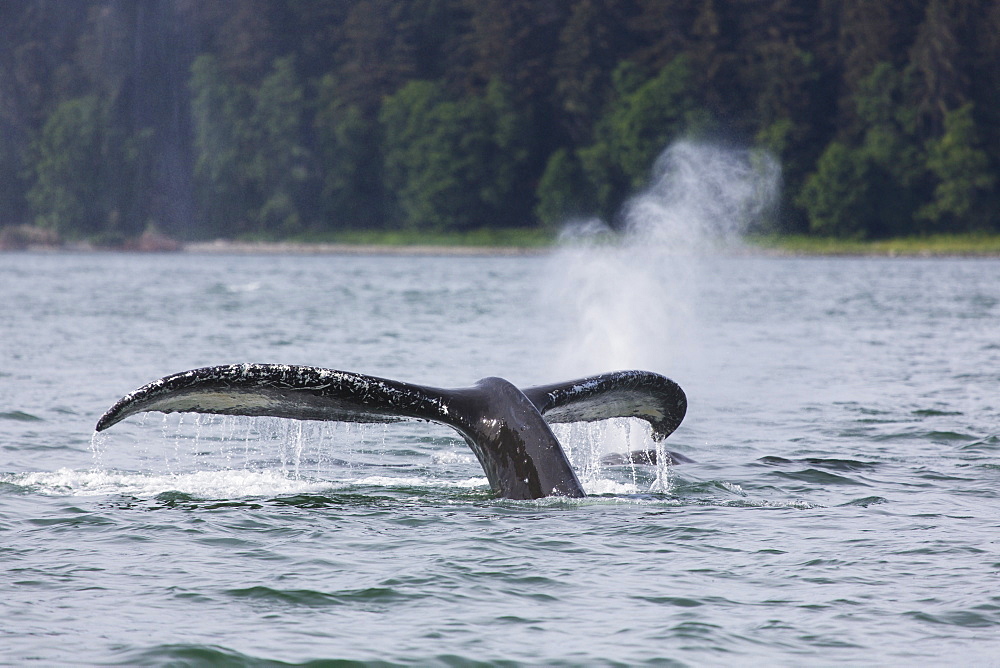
[(842, 508)]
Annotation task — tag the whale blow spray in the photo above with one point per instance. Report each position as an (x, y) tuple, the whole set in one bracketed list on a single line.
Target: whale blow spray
[(629, 300)]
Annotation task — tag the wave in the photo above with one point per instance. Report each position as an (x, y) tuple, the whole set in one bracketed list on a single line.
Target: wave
[(225, 484), (213, 489), (19, 416)]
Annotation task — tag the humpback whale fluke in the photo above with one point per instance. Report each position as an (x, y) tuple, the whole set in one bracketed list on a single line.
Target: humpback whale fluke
[(506, 428)]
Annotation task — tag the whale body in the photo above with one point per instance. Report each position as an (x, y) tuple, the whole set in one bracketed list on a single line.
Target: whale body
[(506, 427)]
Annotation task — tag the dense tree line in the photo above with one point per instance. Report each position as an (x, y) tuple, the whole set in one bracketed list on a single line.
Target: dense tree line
[(273, 117)]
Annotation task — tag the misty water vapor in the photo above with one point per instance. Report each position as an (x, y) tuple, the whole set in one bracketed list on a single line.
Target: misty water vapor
[(628, 299)]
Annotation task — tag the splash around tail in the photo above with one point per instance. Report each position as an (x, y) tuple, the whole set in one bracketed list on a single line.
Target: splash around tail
[(507, 428)]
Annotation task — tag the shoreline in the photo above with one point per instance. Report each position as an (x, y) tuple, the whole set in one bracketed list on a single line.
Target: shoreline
[(967, 244), (225, 247), (222, 246), (967, 247)]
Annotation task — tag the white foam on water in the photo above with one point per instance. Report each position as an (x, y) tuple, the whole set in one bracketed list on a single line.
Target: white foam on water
[(472, 482), (449, 457), (226, 484), (605, 486), (415, 481)]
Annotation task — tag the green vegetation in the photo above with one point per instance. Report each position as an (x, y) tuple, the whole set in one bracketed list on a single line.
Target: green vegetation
[(933, 245), (484, 237), (434, 119)]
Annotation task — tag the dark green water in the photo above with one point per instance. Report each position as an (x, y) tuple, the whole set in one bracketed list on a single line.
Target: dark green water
[(843, 506)]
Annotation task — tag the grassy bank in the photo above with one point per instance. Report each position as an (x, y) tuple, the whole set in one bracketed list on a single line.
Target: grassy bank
[(931, 245), (923, 246), (504, 241), (490, 238)]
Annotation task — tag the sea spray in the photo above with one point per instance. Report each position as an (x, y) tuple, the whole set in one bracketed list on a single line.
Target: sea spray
[(702, 198), (223, 442), (629, 298), (98, 444)]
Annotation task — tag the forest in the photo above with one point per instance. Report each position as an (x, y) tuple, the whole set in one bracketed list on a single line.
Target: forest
[(273, 119)]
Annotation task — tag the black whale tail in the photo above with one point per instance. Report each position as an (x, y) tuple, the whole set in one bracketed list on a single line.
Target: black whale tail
[(506, 428)]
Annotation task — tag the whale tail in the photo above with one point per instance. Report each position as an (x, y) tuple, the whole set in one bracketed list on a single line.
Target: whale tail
[(505, 427)]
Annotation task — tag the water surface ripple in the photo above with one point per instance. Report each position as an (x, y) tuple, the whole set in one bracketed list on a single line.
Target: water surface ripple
[(842, 507)]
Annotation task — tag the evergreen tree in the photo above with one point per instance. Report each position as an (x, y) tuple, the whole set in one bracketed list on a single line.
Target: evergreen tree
[(869, 189), (452, 165), (377, 54), (220, 111), (714, 60), (837, 196), (563, 192), (285, 115), (68, 157), (84, 173), (781, 68), (645, 116), (869, 33), (590, 43), (964, 195), (660, 30), (277, 164), (252, 167), (348, 143), (936, 58)]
